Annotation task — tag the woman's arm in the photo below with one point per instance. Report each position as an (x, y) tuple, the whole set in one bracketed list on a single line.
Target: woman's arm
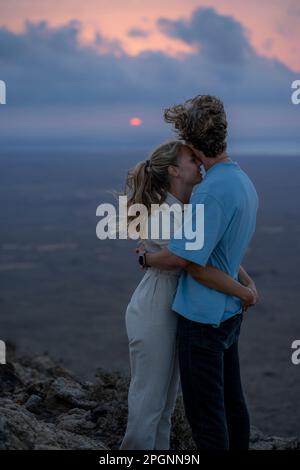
[(246, 280), (163, 259)]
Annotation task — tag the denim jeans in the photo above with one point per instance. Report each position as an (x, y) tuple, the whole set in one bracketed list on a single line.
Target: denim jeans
[(211, 384)]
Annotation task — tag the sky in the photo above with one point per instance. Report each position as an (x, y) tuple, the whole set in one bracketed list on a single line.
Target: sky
[(101, 72)]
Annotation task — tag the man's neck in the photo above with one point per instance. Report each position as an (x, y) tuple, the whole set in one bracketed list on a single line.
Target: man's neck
[(210, 162)]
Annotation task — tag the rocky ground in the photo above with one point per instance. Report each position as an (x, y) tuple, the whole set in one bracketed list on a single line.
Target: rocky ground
[(44, 406)]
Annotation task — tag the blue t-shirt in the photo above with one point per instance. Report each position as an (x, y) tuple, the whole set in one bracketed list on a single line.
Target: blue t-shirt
[(230, 206)]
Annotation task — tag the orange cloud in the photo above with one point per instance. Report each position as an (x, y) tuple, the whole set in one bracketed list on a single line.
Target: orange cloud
[(272, 24)]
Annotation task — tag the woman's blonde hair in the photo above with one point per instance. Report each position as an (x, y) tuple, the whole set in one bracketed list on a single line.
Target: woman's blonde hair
[(148, 182)]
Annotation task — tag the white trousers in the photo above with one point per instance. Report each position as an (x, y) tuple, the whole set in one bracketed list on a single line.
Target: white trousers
[(151, 328)]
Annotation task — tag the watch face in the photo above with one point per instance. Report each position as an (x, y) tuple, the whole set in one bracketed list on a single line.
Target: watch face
[(141, 260)]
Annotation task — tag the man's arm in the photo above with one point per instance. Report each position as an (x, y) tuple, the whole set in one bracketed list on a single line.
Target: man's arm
[(209, 276), (164, 259), (216, 279)]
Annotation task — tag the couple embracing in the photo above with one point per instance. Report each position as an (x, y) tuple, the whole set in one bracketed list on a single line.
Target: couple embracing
[(184, 318)]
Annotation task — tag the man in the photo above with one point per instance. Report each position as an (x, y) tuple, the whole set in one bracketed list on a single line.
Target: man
[(209, 320)]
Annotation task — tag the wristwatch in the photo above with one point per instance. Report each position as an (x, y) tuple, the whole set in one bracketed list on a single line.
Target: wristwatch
[(142, 260)]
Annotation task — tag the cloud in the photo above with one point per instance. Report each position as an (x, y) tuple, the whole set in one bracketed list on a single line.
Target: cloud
[(48, 65), (48, 70), (268, 44), (221, 38), (138, 33)]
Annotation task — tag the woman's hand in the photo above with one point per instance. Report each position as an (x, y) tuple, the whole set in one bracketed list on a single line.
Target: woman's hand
[(141, 250), (249, 298), (252, 286), (140, 247)]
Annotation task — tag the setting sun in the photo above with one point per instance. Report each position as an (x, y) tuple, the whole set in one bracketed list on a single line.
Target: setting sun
[(135, 121)]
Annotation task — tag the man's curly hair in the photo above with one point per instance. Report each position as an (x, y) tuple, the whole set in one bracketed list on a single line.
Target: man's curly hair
[(200, 121)]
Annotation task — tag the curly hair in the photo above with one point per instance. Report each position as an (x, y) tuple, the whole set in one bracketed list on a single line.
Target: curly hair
[(200, 121)]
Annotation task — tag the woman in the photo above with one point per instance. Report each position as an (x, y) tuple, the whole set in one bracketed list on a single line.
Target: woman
[(168, 176)]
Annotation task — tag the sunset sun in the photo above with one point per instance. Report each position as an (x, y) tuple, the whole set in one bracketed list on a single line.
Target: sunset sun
[(135, 121)]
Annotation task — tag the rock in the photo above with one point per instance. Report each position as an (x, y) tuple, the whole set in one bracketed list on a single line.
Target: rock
[(9, 380), (66, 393), (260, 442), (20, 430), (100, 411), (76, 420), (43, 406), (33, 404)]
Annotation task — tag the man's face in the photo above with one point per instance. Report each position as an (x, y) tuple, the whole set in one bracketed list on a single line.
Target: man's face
[(188, 167), (206, 162), (198, 154)]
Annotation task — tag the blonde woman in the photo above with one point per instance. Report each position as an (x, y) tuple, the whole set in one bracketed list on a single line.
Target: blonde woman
[(168, 176)]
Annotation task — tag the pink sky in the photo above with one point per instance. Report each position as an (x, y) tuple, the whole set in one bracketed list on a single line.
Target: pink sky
[(273, 25)]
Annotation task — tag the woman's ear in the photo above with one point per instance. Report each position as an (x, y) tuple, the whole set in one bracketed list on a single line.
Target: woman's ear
[(173, 170)]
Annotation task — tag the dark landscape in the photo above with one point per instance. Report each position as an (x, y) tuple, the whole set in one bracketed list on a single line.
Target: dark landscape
[(65, 292), (44, 406)]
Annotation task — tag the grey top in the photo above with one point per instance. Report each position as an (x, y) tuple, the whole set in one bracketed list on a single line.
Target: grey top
[(154, 244)]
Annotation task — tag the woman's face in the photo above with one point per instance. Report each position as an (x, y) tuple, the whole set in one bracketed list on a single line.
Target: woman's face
[(188, 167)]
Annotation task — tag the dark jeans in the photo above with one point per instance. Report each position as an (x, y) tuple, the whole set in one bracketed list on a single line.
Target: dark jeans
[(211, 384)]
